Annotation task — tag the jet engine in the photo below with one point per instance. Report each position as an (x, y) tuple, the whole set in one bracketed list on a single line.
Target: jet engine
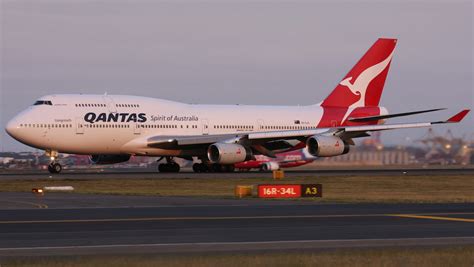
[(326, 146), (223, 153), (269, 166), (109, 159)]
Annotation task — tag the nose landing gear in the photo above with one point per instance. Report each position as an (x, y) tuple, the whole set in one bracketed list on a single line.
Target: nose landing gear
[(54, 166)]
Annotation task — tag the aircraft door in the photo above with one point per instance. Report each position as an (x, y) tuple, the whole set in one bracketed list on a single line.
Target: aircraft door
[(260, 125), (79, 125), (110, 104), (205, 126), (137, 129)]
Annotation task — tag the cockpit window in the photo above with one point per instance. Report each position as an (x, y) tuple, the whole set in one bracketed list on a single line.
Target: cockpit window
[(43, 102)]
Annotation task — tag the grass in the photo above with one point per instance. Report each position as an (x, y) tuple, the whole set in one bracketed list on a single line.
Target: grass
[(433, 257), (419, 189)]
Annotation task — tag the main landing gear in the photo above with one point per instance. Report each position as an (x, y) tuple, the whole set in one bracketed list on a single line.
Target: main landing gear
[(169, 166), (54, 166), (207, 167)]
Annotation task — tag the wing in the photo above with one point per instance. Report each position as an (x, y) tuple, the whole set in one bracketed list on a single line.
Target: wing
[(347, 132), (268, 143)]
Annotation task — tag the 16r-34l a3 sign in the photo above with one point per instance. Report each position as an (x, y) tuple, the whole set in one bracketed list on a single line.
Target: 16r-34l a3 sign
[(289, 190)]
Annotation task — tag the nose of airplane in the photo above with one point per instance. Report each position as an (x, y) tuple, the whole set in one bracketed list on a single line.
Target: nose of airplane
[(17, 129), (12, 127)]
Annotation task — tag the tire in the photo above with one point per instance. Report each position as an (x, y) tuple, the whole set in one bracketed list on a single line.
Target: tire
[(204, 167), (216, 167), (197, 167), (55, 168), (50, 169), (175, 167), (162, 168), (229, 168), (168, 167)]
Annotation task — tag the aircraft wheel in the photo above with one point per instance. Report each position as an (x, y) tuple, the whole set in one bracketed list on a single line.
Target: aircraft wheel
[(169, 167), (197, 167), (163, 167), (55, 168), (229, 168), (216, 167), (204, 167), (174, 167)]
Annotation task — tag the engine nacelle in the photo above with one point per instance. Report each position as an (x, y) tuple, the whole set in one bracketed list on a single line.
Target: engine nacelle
[(223, 153), (109, 159), (326, 146), (270, 166)]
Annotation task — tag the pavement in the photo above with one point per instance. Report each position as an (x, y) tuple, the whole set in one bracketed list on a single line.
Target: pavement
[(76, 224)]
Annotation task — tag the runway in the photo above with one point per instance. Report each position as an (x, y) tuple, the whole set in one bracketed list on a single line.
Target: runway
[(187, 173), (74, 224)]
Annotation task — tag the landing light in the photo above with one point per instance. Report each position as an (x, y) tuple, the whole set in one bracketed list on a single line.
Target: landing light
[(38, 191)]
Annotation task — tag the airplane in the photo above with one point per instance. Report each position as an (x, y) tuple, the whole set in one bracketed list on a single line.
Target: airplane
[(111, 128), (289, 159)]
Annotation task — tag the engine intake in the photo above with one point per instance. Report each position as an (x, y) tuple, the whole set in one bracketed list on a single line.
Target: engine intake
[(270, 166), (223, 153), (326, 146), (109, 159)]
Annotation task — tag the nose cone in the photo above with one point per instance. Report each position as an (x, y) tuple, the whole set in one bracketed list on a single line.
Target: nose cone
[(17, 129), (12, 127)]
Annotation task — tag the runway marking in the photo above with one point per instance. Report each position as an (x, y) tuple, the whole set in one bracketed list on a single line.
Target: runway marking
[(414, 216), (147, 206), (190, 218), (202, 218), (38, 205), (276, 244)]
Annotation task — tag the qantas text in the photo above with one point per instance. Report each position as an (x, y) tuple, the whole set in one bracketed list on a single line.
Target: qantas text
[(92, 117)]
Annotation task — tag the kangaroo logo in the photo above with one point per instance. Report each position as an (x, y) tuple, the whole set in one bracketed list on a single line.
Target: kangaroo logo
[(359, 86)]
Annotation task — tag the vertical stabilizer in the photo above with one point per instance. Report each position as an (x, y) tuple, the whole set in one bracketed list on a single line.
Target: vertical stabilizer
[(363, 85)]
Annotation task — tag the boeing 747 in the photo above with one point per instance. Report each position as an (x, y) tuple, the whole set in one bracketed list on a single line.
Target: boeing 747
[(111, 128)]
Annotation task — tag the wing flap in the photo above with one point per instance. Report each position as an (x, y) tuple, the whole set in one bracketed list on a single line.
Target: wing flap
[(187, 140)]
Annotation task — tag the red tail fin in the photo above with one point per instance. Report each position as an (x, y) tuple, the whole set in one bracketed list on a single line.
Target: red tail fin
[(363, 85)]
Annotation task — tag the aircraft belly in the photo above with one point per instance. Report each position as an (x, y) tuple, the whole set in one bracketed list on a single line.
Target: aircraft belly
[(87, 143)]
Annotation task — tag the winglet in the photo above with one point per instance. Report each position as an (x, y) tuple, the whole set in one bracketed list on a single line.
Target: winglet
[(458, 117)]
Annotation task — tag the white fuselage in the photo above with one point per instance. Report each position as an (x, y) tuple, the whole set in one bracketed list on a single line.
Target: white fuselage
[(118, 124)]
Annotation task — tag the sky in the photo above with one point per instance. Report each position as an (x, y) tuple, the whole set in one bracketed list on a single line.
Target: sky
[(229, 52)]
